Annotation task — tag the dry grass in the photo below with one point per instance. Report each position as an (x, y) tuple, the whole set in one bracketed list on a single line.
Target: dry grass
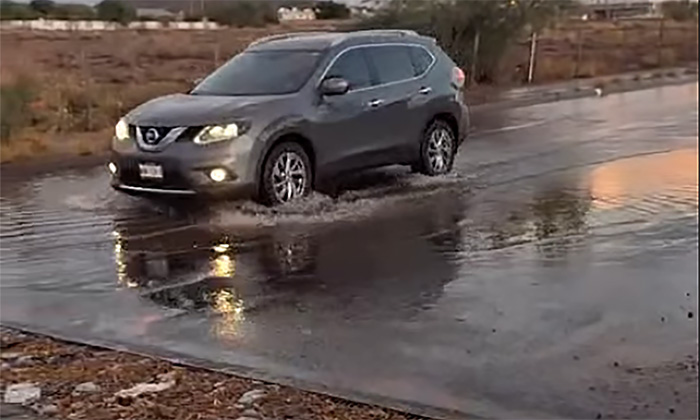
[(85, 81), (606, 48), (33, 144)]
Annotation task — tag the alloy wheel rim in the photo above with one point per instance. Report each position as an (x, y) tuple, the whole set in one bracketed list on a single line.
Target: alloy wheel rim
[(440, 150), (288, 177)]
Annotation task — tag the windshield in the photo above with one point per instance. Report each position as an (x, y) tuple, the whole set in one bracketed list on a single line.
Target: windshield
[(260, 73)]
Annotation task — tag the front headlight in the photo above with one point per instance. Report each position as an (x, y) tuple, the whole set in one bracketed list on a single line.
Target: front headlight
[(121, 130), (216, 133)]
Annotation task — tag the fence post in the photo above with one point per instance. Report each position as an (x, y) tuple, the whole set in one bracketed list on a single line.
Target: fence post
[(533, 56), (579, 51), (659, 56), (88, 88), (475, 57), (216, 55), (621, 48)]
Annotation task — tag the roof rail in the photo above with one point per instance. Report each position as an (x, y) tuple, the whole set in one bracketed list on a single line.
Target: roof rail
[(289, 35), (399, 32)]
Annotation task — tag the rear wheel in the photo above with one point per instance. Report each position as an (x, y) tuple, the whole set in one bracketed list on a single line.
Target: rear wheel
[(287, 174), (437, 151)]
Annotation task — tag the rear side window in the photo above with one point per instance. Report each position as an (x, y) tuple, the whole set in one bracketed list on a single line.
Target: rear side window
[(421, 59), (392, 63), (352, 66)]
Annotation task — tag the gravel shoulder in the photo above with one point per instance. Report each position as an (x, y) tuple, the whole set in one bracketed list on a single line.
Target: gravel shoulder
[(80, 382)]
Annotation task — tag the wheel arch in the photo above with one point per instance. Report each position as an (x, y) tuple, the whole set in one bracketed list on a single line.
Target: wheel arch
[(449, 119)]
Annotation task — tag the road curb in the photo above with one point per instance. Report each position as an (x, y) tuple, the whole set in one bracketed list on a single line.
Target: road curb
[(176, 358)]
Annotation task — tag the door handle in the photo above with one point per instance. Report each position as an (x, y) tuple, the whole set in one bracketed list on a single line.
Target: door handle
[(375, 103), (425, 90)]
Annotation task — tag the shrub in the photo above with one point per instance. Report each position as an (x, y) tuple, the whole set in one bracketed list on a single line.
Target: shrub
[(332, 10), (244, 13), (116, 11), (12, 10), (42, 7), (73, 12), (15, 109), (680, 10)]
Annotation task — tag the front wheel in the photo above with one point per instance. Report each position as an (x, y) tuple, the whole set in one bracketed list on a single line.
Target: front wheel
[(437, 151), (286, 176)]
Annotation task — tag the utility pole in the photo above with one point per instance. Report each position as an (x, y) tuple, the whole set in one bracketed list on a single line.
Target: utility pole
[(475, 56), (533, 55)]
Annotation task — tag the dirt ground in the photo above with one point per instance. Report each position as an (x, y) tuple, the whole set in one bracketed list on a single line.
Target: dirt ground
[(57, 368)]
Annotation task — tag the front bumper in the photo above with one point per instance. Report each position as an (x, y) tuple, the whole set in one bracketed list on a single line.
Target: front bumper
[(179, 178)]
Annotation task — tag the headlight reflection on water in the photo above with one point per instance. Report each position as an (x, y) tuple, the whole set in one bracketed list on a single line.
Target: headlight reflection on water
[(225, 302), (120, 261), (223, 265), (230, 308)]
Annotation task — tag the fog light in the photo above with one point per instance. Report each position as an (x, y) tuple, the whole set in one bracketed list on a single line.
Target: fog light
[(218, 175), (112, 168)]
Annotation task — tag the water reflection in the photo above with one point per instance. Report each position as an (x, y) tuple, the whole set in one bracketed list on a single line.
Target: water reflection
[(560, 221), (648, 183), (392, 265)]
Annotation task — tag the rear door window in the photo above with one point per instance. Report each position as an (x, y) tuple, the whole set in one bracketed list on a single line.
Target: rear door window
[(421, 59), (392, 63), (352, 66)]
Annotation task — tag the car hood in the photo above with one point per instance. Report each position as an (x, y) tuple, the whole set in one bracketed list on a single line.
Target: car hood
[(181, 110)]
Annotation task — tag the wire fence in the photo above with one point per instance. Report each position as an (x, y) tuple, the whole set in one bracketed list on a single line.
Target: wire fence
[(585, 50)]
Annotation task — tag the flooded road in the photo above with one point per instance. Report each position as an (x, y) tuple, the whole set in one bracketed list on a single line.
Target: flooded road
[(554, 274)]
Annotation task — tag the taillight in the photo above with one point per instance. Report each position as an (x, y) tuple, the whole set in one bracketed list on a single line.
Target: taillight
[(458, 77)]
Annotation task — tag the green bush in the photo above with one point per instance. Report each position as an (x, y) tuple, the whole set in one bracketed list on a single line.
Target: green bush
[(680, 10), (244, 13), (15, 109), (74, 12), (12, 10), (332, 10), (116, 11), (42, 7)]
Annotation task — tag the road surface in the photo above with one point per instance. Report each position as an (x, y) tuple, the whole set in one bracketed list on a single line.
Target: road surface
[(555, 274)]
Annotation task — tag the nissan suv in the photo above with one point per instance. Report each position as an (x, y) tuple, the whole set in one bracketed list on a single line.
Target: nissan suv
[(294, 110)]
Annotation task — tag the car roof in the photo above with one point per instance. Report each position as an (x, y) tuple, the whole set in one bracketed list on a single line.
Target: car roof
[(319, 41)]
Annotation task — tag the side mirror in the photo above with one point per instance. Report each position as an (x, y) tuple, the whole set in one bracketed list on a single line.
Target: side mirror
[(334, 86)]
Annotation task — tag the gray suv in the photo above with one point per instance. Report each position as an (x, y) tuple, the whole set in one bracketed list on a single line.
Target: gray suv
[(294, 110)]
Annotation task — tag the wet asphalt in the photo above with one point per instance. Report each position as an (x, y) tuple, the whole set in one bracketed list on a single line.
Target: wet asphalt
[(554, 274)]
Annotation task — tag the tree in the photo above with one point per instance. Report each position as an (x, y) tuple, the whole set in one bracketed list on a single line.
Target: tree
[(456, 24), (244, 13), (74, 12), (332, 10), (11, 10), (116, 11), (43, 7), (680, 10)]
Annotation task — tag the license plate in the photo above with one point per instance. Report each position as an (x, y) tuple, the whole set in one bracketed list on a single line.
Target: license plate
[(150, 171)]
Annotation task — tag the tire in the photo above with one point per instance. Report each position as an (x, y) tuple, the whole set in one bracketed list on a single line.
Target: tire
[(437, 149), (286, 175)]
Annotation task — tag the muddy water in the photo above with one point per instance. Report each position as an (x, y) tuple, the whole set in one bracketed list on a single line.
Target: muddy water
[(553, 274)]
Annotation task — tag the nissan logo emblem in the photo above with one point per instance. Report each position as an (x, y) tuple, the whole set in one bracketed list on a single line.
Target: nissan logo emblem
[(152, 136)]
